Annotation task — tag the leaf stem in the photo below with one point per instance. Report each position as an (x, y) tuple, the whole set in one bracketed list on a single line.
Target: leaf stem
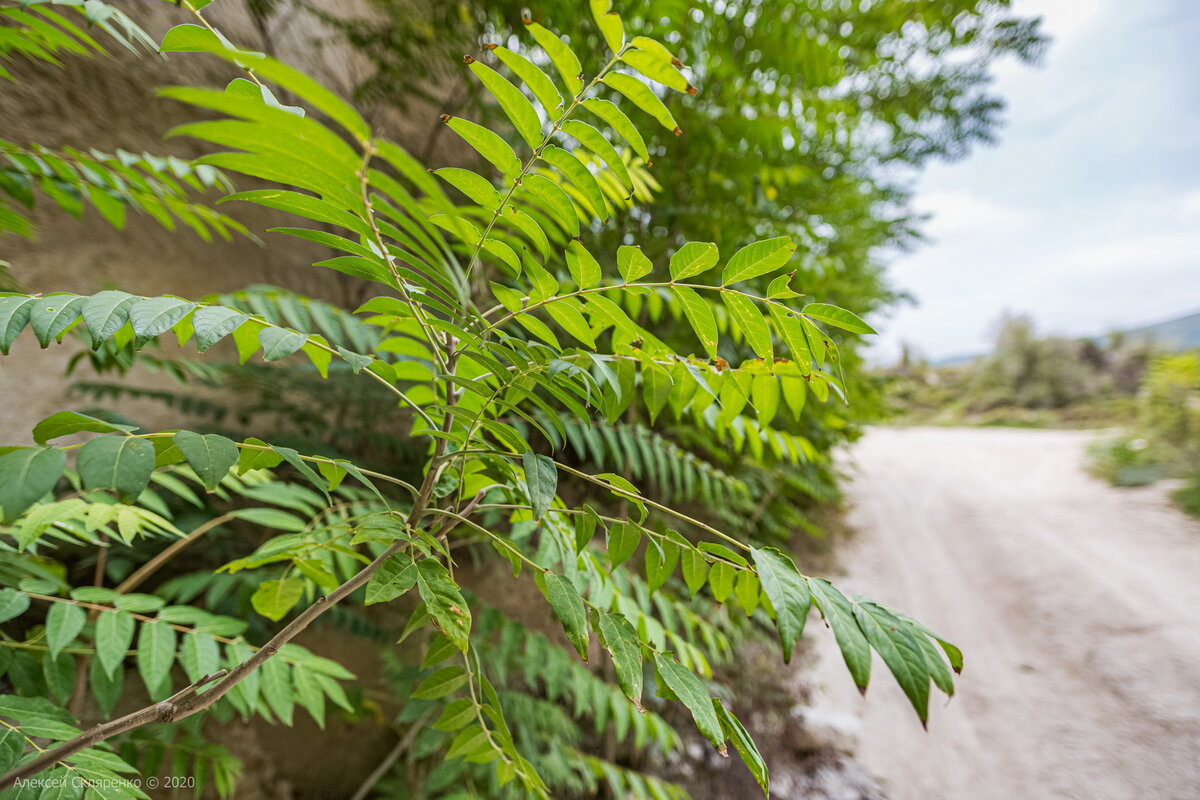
[(537, 153)]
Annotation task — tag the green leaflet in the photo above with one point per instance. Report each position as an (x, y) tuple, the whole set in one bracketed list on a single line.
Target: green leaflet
[(656, 387), (654, 48), (192, 38), (50, 316), (794, 394), (585, 529), (695, 570), (656, 69), (12, 604), (65, 423), (584, 268), (568, 608), (508, 259), (757, 258), (278, 689), (565, 311), (210, 455), (746, 591), (896, 644), (541, 477), (839, 613), (59, 673), (253, 457), (561, 56), (303, 205), (440, 683), (488, 144), (214, 323), (838, 317), (623, 540), (519, 110), (575, 170), (538, 81), (788, 593), (455, 715), (444, 602), (732, 727), (105, 313), (609, 23), (114, 634), (691, 692), (308, 693), (661, 558), (621, 641), (692, 259), (155, 655), (764, 395), (394, 577), (271, 518), (64, 621), (791, 330), (153, 316), (274, 599), (751, 323), (722, 577), (821, 345), (632, 263), (643, 97), (26, 475), (619, 122), (477, 188), (199, 655), (556, 201), (699, 316), (119, 463), (593, 140), (279, 343), (14, 315)]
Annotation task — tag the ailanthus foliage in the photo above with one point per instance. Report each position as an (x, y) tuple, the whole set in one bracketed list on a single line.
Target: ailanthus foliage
[(511, 344)]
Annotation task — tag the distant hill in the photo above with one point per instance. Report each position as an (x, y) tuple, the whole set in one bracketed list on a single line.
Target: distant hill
[(1181, 333)]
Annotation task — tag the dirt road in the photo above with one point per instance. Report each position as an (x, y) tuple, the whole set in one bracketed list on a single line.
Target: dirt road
[(1077, 605)]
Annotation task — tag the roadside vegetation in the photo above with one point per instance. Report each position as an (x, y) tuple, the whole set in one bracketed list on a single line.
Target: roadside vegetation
[(1163, 439), (1147, 400), (1028, 380)]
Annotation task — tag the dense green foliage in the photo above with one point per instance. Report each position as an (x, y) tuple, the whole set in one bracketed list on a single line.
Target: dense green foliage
[(1164, 437), (518, 337)]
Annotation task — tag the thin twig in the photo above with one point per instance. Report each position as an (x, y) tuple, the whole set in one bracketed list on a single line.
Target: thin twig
[(153, 565), (391, 758)]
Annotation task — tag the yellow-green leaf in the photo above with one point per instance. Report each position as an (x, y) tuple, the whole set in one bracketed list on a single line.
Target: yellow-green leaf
[(643, 97)]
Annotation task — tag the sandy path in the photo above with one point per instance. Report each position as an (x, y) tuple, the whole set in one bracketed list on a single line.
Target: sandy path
[(1077, 605)]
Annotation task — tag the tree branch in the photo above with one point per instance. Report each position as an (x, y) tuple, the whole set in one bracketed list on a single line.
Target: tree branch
[(159, 712)]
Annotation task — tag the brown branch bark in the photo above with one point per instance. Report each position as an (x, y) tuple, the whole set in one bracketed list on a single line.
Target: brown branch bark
[(159, 712)]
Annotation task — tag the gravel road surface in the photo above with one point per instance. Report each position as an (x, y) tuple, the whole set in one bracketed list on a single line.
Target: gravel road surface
[(1077, 605)]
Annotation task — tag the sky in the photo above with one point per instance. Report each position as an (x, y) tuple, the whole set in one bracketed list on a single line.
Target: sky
[(1086, 215)]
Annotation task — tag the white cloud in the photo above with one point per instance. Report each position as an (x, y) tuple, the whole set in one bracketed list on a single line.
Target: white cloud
[(1086, 214), (961, 213)]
